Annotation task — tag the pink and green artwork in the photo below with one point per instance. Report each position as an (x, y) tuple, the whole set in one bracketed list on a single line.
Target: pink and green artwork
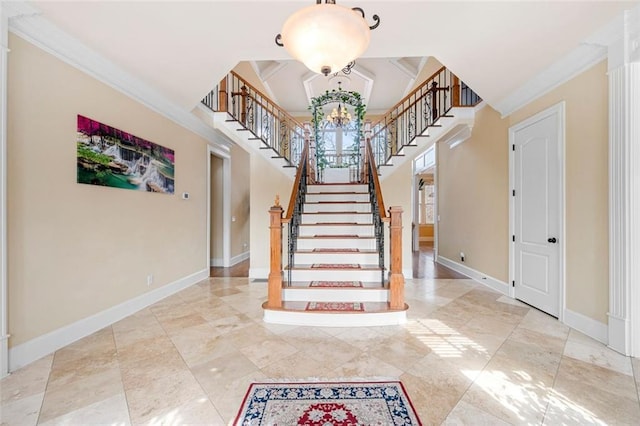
[(110, 157)]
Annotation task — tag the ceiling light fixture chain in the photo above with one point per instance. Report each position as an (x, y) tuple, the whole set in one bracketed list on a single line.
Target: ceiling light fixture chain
[(327, 37)]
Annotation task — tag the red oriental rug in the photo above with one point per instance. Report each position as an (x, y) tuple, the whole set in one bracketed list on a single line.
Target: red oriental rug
[(335, 266), (335, 306), (327, 404), (336, 284)]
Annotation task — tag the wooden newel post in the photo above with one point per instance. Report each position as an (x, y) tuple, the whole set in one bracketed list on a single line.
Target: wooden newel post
[(222, 95), (274, 300), (455, 93), (396, 279)]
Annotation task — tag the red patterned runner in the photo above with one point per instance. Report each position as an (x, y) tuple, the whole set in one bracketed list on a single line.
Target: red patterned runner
[(336, 284), (335, 306)]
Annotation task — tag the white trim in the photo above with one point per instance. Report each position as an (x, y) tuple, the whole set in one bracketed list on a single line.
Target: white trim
[(220, 263), (407, 272), (624, 207), (4, 336), (258, 273), (576, 62), (226, 211), (38, 31), (592, 328), (322, 319), (40, 346), (559, 110), (493, 283), (240, 258)]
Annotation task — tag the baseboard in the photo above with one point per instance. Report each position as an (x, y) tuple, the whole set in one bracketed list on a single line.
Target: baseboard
[(41, 346), (259, 273), (239, 258), (408, 273), (493, 283), (592, 328), (219, 263)]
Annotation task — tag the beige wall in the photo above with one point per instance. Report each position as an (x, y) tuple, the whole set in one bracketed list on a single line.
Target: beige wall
[(586, 187), (217, 216), (75, 250), (472, 191), (266, 183), (396, 191), (240, 199)]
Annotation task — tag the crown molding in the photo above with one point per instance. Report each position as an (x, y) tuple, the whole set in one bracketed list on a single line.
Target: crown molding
[(28, 24), (579, 60)]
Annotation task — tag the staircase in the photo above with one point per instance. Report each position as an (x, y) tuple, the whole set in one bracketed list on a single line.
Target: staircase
[(335, 272), (336, 279)]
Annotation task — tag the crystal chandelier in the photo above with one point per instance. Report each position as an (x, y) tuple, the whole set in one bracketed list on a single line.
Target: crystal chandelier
[(339, 117), (326, 37)]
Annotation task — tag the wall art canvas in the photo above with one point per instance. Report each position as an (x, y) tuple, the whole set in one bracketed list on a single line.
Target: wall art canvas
[(110, 157)]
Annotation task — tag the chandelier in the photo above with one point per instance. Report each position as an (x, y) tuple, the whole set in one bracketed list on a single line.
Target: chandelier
[(326, 37), (339, 117)]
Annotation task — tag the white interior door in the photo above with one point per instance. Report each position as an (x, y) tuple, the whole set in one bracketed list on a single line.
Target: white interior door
[(537, 211)]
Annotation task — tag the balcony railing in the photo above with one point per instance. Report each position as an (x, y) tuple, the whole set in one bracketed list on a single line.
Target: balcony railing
[(419, 110), (259, 115)]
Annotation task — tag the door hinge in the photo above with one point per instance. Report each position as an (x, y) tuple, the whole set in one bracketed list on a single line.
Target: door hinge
[(513, 147), (513, 283), (513, 192), (513, 238)]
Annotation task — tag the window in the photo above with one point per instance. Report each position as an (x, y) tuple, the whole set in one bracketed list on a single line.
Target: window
[(427, 199)]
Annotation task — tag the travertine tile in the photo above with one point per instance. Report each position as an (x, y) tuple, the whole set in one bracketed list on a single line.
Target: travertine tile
[(585, 393), (586, 349), (467, 355), (21, 411), (27, 381), (466, 414), (111, 411)]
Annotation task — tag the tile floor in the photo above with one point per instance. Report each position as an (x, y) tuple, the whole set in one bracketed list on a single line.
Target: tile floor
[(466, 356)]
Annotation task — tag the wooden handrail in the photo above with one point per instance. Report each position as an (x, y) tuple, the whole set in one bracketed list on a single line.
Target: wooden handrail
[(285, 113), (371, 163), (413, 92), (296, 184)]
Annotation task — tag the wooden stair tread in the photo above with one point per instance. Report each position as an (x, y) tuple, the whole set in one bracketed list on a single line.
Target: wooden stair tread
[(335, 236), (336, 250), (328, 267), (336, 224)]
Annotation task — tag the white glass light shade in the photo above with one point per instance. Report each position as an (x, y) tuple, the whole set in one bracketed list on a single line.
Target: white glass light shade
[(325, 35)]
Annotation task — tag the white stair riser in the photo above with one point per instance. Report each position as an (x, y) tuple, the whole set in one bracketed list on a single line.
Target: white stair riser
[(313, 230), (335, 295), (336, 218), (337, 207), (359, 243), (314, 198), (335, 319), (334, 275), (336, 188), (319, 257)]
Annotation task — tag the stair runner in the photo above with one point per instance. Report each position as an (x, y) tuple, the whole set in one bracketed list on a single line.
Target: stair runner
[(336, 280)]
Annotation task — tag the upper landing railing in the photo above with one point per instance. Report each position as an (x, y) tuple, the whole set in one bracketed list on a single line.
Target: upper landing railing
[(259, 115), (419, 110)]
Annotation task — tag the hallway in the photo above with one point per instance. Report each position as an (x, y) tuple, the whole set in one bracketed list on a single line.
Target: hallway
[(424, 265), (467, 355)]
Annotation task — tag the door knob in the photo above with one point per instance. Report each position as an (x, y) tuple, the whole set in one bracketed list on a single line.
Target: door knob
[(552, 240)]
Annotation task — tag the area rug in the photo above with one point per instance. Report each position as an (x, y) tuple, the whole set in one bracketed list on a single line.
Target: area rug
[(335, 284), (335, 306), (335, 266), (327, 404)]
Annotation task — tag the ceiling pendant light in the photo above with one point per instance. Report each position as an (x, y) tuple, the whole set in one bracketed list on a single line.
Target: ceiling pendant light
[(326, 37)]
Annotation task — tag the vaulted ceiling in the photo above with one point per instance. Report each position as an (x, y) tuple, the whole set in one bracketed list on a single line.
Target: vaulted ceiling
[(183, 48)]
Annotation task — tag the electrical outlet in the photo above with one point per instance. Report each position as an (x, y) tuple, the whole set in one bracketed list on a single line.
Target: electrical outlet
[(462, 256), (149, 280)]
